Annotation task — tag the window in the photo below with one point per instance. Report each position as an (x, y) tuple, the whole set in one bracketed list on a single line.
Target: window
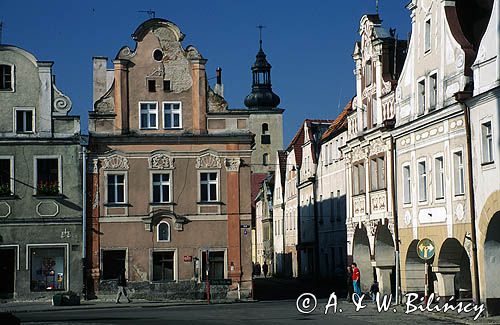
[(158, 55), (113, 261), (487, 139), (432, 91), (368, 73), (459, 173), (6, 177), (151, 86), (265, 137), (406, 184), (215, 263), (116, 188), (439, 175), (427, 32), (149, 115), (6, 77), (421, 96), (377, 173), (422, 182), (48, 269), (208, 187), (172, 115), (161, 188), (166, 85), (47, 176), (163, 266), (24, 120), (374, 110), (163, 232), (359, 179), (265, 158), (365, 117)]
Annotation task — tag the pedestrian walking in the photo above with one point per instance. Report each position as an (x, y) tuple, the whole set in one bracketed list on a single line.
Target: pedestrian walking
[(374, 290), (356, 279), (265, 269), (122, 286), (258, 270), (350, 288)]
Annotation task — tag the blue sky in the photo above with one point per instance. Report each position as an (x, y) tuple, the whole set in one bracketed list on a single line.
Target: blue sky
[(308, 43)]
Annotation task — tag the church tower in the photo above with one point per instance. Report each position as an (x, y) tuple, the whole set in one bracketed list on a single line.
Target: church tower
[(266, 119)]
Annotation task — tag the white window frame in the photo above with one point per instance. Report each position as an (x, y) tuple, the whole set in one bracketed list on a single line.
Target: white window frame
[(12, 78), (487, 146), (433, 95), (158, 232), (461, 171), (59, 171), (421, 109), (439, 174), (125, 186), (407, 183), (169, 183), (33, 118), (50, 245), (164, 110), (175, 258), (419, 180), (149, 112), (427, 35), (217, 185), (12, 176)]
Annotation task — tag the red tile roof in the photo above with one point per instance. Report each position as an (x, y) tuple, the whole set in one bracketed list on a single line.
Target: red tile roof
[(257, 179), (339, 124)]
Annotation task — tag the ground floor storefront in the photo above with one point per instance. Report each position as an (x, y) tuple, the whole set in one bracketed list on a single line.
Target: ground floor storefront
[(36, 261)]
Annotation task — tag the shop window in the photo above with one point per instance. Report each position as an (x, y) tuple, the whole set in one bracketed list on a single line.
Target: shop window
[(113, 261), (48, 269), (47, 176), (215, 265), (163, 266)]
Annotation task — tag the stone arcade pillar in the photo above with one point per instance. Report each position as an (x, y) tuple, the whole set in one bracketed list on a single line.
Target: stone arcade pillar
[(445, 281), (384, 274)]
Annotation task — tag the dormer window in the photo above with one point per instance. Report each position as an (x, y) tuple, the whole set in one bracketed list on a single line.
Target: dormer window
[(6, 77)]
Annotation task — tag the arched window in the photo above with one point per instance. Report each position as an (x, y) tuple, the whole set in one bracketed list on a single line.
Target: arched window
[(163, 231), (265, 159), (265, 128)]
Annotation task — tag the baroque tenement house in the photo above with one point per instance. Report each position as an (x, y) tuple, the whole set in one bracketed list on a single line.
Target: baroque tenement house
[(170, 170), (41, 246), (379, 57)]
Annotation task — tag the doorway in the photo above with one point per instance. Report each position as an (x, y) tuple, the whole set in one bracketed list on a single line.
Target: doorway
[(7, 272)]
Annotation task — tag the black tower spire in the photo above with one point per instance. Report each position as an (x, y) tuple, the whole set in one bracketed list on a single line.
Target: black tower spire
[(262, 96)]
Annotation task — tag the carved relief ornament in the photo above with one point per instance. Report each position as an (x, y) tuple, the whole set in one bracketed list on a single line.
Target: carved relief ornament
[(161, 161), (232, 164), (115, 162), (209, 161), (377, 146)]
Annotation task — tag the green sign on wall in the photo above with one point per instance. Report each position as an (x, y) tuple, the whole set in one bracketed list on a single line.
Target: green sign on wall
[(426, 249)]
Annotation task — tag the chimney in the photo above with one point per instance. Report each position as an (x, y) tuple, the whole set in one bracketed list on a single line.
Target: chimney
[(99, 77), (219, 88)]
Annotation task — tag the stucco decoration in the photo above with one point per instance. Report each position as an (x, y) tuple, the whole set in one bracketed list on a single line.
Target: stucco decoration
[(47, 209), (161, 161), (176, 67), (106, 104), (216, 103), (158, 71), (193, 53), (371, 226), (232, 164), (358, 154), (408, 218), (377, 146), (5, 209), (209, 161), (125, 53), (115, 162), (61, 104), (459, 212), (156, 216)]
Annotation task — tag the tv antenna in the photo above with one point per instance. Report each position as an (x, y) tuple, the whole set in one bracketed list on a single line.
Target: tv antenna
[(151, 13)]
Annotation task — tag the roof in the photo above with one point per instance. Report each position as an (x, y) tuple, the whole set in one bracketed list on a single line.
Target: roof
[(282, 166), (339, 124), (257, 179), (298, 140)]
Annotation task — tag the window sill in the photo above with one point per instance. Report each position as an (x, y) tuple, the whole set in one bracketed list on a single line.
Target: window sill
[(146, 129), (210, 202), (179, 128), (8, 197), (25, 133), (49, 196), (488, 163), (116, 205), (162, 203)]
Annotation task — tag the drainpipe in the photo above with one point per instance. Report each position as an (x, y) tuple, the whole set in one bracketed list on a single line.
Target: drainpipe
[(461, 97), (84, 219), (395, 218)]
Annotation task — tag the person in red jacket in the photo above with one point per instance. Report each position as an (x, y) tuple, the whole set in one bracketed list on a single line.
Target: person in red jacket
[(356, 278)]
